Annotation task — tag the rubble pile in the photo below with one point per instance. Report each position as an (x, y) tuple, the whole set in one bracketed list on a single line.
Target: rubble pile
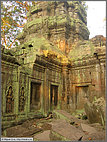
[(64, 127)]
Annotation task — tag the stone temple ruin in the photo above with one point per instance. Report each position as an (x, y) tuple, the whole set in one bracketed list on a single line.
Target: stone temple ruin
[(56, 65)]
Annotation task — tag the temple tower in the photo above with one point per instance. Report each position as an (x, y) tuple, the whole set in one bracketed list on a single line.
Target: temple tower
[(62, 23)]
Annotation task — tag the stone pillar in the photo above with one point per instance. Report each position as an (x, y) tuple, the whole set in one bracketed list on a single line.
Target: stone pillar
[(103, 79), (42, 98), (96, 80), (46, 92), (15, 87), (64, 89), (28, 97)]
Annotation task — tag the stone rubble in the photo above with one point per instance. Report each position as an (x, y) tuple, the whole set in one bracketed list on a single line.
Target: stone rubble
[(59, 128)]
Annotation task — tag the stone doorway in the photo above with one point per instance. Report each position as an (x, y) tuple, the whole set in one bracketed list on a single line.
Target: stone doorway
[(35, 96), (81, 95), (53, 96)]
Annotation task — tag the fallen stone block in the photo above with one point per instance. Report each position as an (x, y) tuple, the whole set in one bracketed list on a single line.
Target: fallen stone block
[(62, 130), (31, 132), (14, 131), (45, 136), (61, 114), (96, 111), (87, 128), (94, 136)]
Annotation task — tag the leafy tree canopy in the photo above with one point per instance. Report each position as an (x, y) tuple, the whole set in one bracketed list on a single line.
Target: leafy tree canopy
[(13, 18)]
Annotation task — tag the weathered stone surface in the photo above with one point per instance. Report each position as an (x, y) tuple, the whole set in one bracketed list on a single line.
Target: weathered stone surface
[(94, 136), (45, 136), (31, 132), (97, 126), (60, 129), (14, 131), (67, 22), (46, 126), (98, 40), (21, 131), (87, 128), (26, 124), (96, 111), (67, 116), (64, 131)]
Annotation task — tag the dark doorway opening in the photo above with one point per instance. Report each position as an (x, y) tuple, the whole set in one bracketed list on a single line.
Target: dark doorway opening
[(81, 95), (35, 96), (53, 96)]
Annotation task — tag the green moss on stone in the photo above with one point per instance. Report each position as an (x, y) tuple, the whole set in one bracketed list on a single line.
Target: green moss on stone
[(81, 50), (78, 111), (61, 116), (34, 22), (56, 20), (60, 137), (34, 8), (39, 44)]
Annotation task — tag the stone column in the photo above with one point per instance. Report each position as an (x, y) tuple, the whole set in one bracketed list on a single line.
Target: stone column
[(97, 80), (103, 79), (46, 95), (64, 89)]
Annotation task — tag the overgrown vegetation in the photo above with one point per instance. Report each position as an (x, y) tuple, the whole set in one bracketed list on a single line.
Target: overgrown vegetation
[(13, 18)]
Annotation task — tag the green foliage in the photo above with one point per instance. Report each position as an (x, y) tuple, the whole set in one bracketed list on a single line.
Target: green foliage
[(13, 17)]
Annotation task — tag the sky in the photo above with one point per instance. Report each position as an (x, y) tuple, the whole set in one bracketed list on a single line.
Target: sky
[(96, 14)]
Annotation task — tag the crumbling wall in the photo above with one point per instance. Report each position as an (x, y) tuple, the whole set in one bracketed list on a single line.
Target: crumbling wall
[(88, 70)]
